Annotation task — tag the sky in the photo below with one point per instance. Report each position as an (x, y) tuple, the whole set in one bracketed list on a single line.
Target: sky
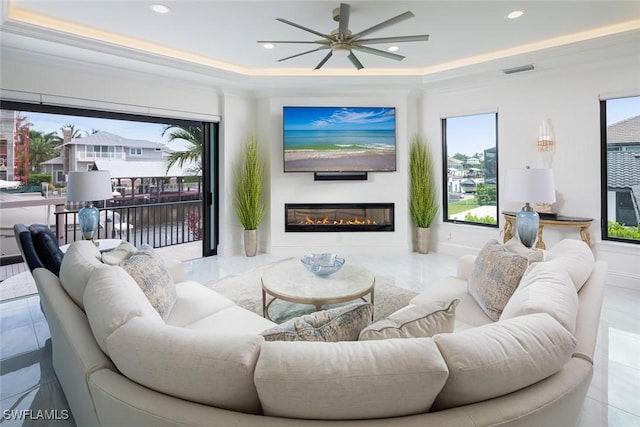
[(46, 123), (339, 118)]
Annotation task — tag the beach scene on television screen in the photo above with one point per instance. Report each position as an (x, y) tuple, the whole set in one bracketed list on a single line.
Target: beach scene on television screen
[(340, 139)]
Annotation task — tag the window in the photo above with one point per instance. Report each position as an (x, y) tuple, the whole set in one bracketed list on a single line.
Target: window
[(59, 177), (135, 151), (470, 168), (620, 135)]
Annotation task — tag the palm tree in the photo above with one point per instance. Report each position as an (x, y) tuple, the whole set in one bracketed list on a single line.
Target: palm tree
[(191, 134), (42, 147)]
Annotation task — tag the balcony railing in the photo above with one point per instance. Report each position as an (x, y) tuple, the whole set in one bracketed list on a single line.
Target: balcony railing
[(156, 224)]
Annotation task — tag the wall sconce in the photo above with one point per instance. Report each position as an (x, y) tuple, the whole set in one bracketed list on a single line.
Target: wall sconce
[(546, 142)]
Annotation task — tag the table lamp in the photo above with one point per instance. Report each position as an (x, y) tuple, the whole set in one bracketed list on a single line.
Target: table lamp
[(529, 186), (87, 187)]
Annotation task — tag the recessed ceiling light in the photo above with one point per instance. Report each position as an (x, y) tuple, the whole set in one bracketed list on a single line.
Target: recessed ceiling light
[(515, 14), (393, 48), (160, 8), (268, 45)]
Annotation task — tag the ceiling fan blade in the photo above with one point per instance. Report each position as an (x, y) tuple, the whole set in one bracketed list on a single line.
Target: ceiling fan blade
[(309, 30), (399, 39), (303, 53), (378, 52), (326, 42), (324, 60), (388, 22), (355, 61), (343, 28)]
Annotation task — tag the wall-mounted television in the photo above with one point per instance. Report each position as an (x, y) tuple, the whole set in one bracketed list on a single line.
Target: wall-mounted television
[(339, 139)]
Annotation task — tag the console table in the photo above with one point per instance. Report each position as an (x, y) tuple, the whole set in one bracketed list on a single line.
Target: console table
[(557, 220)]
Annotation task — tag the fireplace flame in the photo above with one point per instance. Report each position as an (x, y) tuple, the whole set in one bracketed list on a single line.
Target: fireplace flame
[(325, 221)]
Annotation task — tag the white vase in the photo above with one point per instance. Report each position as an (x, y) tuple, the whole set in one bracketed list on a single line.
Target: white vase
[(424, 240), (250, 242)]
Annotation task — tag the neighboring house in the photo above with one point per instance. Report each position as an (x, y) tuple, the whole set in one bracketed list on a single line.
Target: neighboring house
[(7, 144), (623, 169), (82, 154)]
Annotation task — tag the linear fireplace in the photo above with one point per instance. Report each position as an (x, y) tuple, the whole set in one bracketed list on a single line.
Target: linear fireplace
[(315, 217)]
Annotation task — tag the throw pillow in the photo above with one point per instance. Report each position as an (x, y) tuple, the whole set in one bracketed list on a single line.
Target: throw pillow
[(514, 245), (576, 257), (46, 244), (414, 321), (122, 252), (499, 358), (494, 277), (336, 324), (545, 288), (149, 272)]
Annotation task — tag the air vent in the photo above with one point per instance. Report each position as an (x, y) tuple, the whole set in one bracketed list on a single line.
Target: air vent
[(520, 69)]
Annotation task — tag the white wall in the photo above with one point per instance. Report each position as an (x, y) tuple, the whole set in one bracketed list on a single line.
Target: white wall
[(570, 98), (381, 187)]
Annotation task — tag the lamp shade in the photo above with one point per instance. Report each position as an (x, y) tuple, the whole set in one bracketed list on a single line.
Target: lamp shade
[(530, 186), (89, 186)]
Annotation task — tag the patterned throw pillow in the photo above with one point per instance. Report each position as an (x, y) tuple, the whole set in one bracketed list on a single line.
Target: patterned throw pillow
[(336, 324), (148, 270), (494, 277), (414, 321), (122, 252)]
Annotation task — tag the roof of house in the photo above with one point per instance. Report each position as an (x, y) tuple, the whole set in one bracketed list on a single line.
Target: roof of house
[(109, 139), (625, 131), (623, 169), (54, 161), (142, 169)]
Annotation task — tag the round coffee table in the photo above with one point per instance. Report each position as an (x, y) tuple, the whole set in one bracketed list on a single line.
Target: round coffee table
[(290, 281)]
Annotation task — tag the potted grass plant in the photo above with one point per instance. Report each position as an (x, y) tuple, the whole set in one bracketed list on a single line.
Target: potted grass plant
[(249, 206), (422, 192)]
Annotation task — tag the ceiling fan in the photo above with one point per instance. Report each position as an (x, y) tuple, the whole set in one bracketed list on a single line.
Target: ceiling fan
[(343, 42)]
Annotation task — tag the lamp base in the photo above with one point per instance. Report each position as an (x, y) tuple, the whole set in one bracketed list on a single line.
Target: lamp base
[(527, 221), (89, 219)]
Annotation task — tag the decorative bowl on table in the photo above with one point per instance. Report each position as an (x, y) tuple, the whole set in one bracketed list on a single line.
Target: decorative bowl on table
[(322, 264)]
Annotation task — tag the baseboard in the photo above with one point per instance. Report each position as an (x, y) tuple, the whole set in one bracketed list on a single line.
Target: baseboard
[(623, 280)]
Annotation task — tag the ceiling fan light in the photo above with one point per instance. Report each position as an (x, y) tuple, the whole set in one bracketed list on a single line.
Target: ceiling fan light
[(341, 50)]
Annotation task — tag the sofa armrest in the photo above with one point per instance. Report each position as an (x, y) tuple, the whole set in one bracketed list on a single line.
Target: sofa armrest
[(465, 265)]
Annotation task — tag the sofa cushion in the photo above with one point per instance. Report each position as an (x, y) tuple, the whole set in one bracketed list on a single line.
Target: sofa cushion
[(468, 312), (80, 261), (349, 380), (545, 287), (494, 277), (199, 366), (121, 252), (576, 257), (195, 302), (149, 272), (336, 324), (111, 299), (414, 321), (500, 358)]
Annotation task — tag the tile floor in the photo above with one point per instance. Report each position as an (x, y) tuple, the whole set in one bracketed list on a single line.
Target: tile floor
[(27, 381)]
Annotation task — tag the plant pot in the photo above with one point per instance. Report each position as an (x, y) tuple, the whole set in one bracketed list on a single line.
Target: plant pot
[(250, 242), (424, 240)]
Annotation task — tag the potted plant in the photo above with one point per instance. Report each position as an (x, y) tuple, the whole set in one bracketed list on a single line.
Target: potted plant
[(422, 192), (249, 206)]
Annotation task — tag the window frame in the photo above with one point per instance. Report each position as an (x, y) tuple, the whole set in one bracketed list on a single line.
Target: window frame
[(445, 172), (604, 175), (135, 151)]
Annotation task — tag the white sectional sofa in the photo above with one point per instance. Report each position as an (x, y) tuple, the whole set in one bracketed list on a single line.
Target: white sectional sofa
[(120, 363)]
